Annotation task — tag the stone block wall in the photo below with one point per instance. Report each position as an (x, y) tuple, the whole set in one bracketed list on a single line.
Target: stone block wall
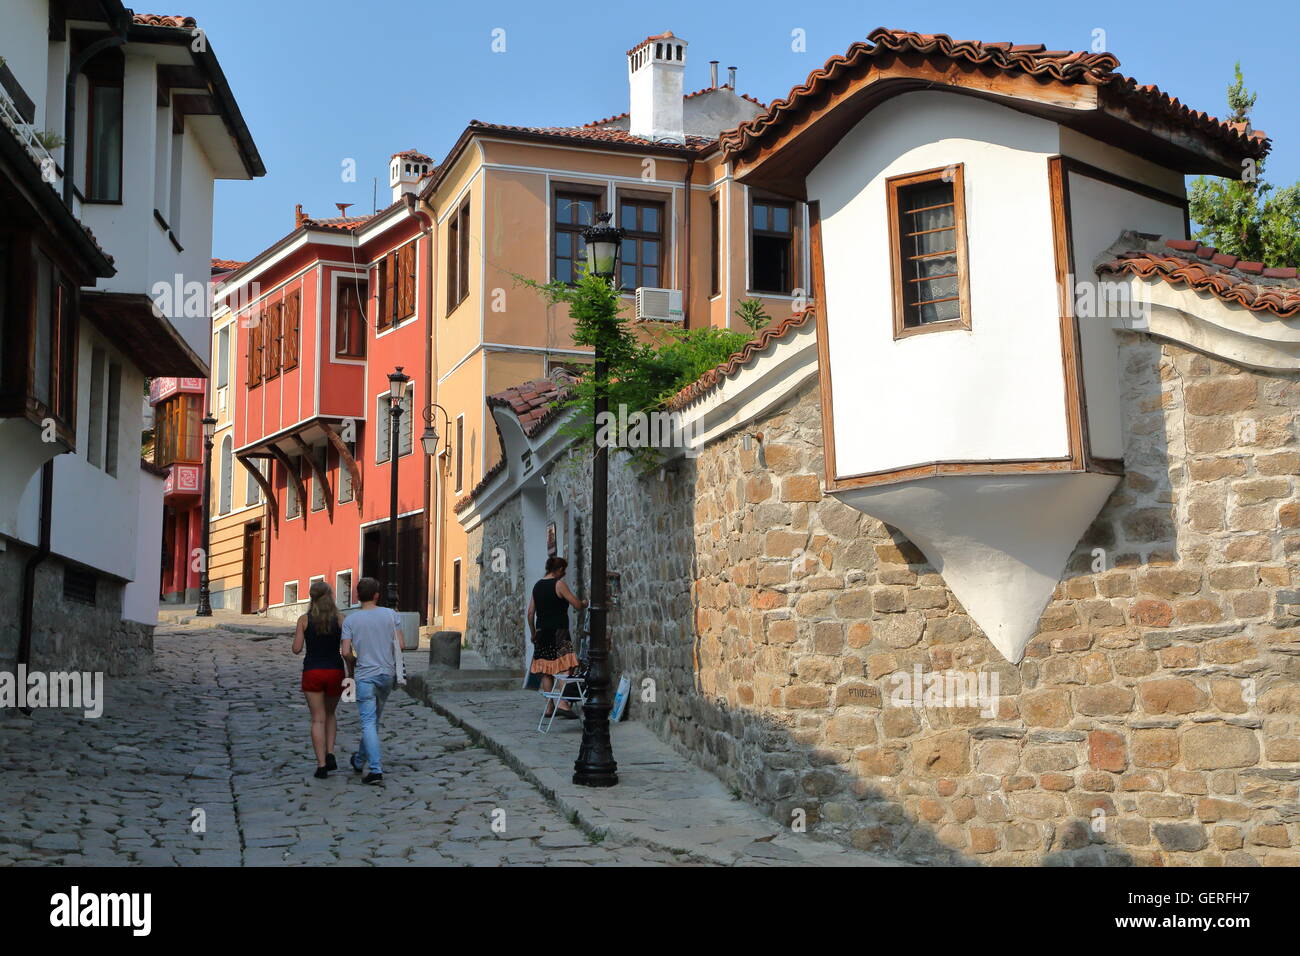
[(494, 591), (67, 635), (1155, 718)]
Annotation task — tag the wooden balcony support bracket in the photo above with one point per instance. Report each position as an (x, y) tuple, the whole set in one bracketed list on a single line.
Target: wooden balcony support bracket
[(264, 483), (292, 473), (348, 461), (317, 473)]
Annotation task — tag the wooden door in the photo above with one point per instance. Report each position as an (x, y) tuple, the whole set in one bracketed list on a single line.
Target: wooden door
[(252, 590)]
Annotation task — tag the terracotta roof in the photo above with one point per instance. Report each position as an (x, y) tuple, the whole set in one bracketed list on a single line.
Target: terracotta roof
[(1063, 66), (414, 154), (666, 35), (159, 20), (708, 89), (598, 134), (537, 404), (1252, 285), (225, 265), (740, 358)]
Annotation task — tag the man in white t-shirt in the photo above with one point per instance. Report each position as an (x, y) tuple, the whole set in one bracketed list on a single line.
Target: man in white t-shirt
[(370, 634)]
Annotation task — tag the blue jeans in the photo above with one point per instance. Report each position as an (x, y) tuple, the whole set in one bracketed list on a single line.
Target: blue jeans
[(371, 694)]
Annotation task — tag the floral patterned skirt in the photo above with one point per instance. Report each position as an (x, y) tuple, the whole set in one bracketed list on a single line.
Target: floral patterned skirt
[(553, 652)]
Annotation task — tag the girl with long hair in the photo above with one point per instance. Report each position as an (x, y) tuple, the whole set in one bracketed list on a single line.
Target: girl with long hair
[(320, 632)]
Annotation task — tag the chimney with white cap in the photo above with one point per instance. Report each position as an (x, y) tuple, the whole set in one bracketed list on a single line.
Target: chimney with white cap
[(405, 171), (655, 73)]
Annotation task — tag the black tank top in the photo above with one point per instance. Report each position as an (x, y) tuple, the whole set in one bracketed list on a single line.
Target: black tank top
[(552, 610), (322, 652)]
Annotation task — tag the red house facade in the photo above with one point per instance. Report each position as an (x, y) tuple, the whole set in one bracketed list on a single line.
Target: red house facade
[(323, 316), (178, 409)]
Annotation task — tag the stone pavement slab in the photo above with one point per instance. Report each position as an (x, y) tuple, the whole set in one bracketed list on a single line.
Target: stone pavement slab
[(662, 801)]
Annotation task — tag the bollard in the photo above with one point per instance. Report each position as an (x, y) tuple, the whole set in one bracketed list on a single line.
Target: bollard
[(444, 649)]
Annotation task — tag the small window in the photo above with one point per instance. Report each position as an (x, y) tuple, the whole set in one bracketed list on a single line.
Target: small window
[(350, 319), (79, 585), (643, 243), (455, 586), (928, 241), (771, 233), (104, 129), (291, 592), (343, 589), (458, 257), (345, 475), (460, 452), (227, 474), (223, 357), (574, 212), (252, 490), (715, 247)]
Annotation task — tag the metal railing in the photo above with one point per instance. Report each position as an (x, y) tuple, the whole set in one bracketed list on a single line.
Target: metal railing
[(30, 137)]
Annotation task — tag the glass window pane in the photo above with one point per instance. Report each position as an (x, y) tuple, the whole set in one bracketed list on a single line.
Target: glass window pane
[(940, 312), (563, 270), (586, 212), (760, 216), (649, 219), (934, 289), (628, 276), (628, 216), (941, 241), (781, 218), (563, 210), (936, 266), (651, 275), (564, 244), (650, 251), (628, 252)]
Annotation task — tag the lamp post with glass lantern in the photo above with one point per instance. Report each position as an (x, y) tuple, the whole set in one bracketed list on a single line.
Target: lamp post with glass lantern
[(595, 766), (398, 383), (205, 602)]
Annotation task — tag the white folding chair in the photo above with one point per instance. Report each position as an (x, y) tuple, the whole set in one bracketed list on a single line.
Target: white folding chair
[(556, 694)]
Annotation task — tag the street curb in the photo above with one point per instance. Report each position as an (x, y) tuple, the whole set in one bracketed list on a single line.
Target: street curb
[(589, 818), (577, 812)]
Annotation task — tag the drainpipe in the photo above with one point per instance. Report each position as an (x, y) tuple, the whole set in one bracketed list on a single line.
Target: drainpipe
[(686, 244), (70, 102), (420, 207), (33, 563)]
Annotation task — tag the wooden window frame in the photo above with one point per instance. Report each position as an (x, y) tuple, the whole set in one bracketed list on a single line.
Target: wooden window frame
[(253, 372), (458, 256), (573, 191), (291, 323), (663, 202), (350, 321), (457, 578), (793, 236), (24, 264), (274, 340), (893, 185)]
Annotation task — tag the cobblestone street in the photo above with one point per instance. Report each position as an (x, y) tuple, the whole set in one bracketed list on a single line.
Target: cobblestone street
[(221, 727)]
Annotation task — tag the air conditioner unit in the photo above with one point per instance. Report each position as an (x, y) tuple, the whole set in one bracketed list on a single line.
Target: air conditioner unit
[(658, 305)]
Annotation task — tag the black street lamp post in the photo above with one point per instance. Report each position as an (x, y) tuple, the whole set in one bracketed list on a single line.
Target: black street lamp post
[(205, 598), (398, 382), (595, 766)]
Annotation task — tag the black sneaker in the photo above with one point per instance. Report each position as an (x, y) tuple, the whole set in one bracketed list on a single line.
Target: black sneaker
[(322, 773), (373, 778), (330, 762)]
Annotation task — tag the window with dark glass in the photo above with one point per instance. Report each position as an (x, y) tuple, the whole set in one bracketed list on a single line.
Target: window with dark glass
[(350, 318), (455, 586), (383, 294), (574, 212), (929, 245), (771, 229), (104, 128), (641, 262), (458, 257), (715, 247)]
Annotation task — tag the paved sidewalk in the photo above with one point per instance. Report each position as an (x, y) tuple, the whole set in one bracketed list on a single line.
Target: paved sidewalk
[(662, 801)]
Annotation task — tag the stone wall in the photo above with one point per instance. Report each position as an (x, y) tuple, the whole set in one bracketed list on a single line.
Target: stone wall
[(1155, 719), (68, 635), (494, 587)]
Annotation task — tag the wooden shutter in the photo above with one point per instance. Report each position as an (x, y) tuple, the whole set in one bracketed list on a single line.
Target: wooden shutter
[(255, 354), (272, 335), (291, 322), (385, 287)]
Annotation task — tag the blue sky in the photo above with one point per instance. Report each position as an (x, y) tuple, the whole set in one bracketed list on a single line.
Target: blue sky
[(321, 81)]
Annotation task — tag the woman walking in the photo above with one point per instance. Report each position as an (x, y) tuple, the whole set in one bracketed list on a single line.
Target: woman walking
[(320, 631), (548, 622)]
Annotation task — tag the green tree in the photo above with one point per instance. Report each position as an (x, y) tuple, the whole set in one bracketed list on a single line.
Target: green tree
[(1247, 217)]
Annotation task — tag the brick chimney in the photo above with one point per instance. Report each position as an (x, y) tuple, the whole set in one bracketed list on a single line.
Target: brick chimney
[(655, 70), (298, 216)]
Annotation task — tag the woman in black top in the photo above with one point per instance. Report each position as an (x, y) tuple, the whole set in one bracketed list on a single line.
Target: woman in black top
[(548, 623), (320, 632)]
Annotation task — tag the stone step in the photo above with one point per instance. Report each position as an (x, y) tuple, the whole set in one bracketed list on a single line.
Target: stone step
[(444, 680)]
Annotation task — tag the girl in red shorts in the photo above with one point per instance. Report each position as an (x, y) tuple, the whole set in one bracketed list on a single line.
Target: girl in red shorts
[(320, 631)]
